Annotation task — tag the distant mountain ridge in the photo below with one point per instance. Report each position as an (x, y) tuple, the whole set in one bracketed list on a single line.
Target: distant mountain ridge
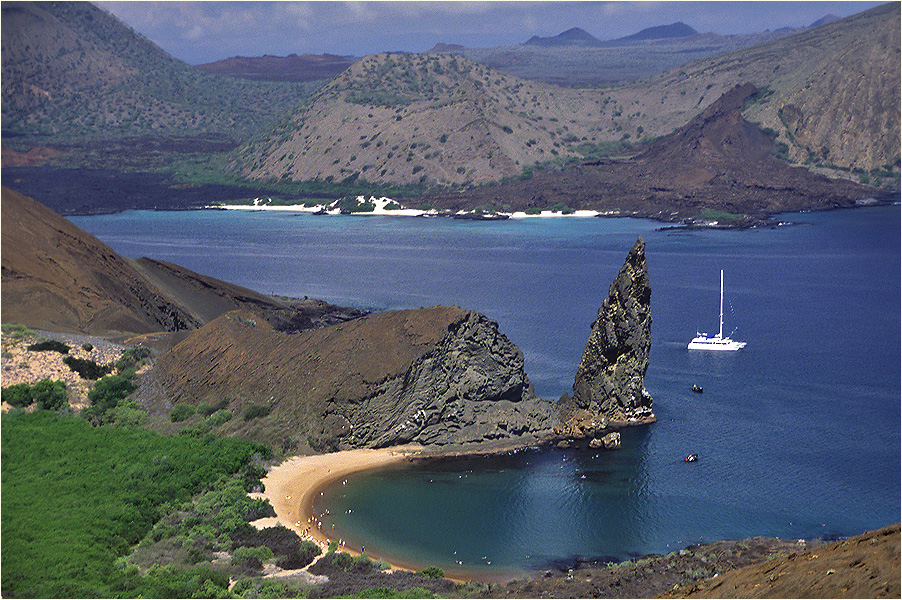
[(572, 37), (660, 32), (578, 37)]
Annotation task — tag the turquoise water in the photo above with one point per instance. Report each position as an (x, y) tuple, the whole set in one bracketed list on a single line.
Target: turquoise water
[(798, 434)]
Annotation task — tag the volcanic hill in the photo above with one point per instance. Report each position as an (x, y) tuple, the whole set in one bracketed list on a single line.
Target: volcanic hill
[(442, 120), (719, 167), (57, 277), (306, 67), (72, 69)]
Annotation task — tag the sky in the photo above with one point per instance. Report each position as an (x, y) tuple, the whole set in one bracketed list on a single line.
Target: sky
[(200, 32)]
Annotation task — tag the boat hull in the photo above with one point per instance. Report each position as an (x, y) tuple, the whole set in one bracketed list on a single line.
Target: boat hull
[(716, 344)]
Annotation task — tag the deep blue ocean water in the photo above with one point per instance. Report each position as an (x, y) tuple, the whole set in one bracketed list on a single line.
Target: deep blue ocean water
[(798, 434)]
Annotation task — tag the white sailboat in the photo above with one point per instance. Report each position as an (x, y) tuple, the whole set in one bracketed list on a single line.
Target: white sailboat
[(708, 341)]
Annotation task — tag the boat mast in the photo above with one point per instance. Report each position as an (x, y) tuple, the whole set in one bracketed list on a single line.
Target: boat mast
[(721, 304)]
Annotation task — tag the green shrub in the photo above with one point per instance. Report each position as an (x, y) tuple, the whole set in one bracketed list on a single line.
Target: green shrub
[(433, 573), (132, 357), (101, 507), (253, 555), (110, 390), (302, 557), (205, 409), (50, 395), (49, 345), (220, 417), (87, 347), (197, 430), (86, 368), (255, 411), (18, 394), (16, 331), (180, 412), (387, 592)]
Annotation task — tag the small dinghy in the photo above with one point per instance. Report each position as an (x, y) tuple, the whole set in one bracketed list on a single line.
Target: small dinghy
[(697, 389), (692, 458)]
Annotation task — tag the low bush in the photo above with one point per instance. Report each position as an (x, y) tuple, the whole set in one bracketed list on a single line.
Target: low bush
[(256, 411), (433, 573), (49, 346), (133, 357), (206, 409), (220, 417), (110, 390), (300, 558), (387, 592), (16, 331), (86, 368), (181, 411), (49, 394), (101, 507), (18, 394), (254, 555)]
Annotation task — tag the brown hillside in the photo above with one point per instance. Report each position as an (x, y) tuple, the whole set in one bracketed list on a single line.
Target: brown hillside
[(406, 119), (830, 93), (57, 277), (60, 278), (865, 566), (718, 161)]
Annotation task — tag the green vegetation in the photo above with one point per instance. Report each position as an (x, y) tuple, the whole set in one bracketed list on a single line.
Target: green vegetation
[(16, 331), (109, 403), (49, 394), (181, 411), (49, 346), (133, 358), (87, 368), (433, 573), (350, 205), (256, 411), (386, 592), (76, 497)]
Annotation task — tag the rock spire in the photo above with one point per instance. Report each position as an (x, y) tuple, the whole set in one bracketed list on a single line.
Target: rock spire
[(609, 387)]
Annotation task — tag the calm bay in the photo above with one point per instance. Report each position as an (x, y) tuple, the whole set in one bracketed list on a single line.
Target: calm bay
[(798, 434)]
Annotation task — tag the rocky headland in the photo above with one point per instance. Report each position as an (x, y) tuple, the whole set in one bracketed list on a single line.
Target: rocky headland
[(609, 388), (327, 378)]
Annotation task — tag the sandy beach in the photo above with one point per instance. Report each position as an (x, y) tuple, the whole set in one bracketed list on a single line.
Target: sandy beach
[(292, 486)]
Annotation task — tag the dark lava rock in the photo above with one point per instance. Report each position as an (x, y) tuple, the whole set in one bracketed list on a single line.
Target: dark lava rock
[(609, 387), (436, 376)]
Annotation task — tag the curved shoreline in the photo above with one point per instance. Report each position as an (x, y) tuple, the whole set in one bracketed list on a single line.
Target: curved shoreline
[(292, 486)]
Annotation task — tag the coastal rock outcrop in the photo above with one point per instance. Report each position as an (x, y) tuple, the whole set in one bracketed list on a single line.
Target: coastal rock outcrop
[(609, 387), (441, 376)]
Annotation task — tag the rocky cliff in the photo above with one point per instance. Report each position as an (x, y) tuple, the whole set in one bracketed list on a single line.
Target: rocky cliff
[(441, 376), (609, 387)]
